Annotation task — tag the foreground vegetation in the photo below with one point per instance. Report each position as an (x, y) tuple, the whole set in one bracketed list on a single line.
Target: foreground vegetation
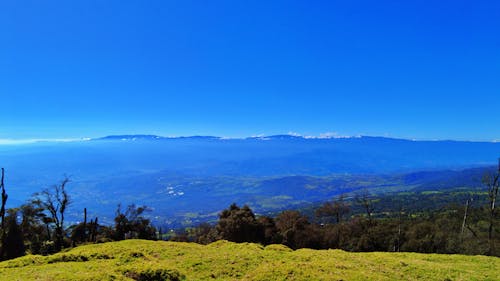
[(222, 260), (442, 231)]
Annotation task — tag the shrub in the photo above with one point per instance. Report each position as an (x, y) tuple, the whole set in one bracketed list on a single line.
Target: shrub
[(154, 274)]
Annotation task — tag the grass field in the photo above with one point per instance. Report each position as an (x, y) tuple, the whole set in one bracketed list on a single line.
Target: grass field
[(158, 260)]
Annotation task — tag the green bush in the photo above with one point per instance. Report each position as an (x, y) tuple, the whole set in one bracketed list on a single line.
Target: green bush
[(154, 274)]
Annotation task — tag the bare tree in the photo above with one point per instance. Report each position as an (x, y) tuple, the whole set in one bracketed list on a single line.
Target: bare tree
[(85, 223), (464, 222), (335, 208), (397, 243), (365, 200), (492, 182), (55, 201)]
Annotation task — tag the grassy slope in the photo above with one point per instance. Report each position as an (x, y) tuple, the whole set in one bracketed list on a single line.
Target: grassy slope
[(230, 261)]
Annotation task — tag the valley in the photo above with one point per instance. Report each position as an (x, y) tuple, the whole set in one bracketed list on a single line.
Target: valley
[(188, 180)]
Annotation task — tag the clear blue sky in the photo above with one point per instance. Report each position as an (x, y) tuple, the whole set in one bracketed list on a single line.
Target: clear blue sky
[(412, 69)]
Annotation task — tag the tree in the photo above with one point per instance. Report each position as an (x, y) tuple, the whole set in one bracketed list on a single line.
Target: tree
[(335, 208), (271, 235), (397, 240), (4, 201), (12, 242), (296, 230), (132, 224), (84, 232), (2, 213), (33, 227), (464, 222), (492, 183), (365, 200), (205, 233), (12, 245), (239, 225), (55, 201), (4, 250)]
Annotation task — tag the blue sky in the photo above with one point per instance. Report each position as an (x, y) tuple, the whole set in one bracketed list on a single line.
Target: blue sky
[(411, 69)]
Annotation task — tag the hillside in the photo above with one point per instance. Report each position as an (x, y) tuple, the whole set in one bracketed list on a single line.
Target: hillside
[(136, 259)]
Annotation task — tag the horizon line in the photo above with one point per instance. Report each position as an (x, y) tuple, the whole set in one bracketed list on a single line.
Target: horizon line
[(21, 141)]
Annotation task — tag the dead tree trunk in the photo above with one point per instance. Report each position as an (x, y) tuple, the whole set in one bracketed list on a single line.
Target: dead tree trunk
[(492, 182), (492, 193), (93, 230), (366, 202), (85, 238), (464, 223), (4, 201), (400, 222), (2, 216)]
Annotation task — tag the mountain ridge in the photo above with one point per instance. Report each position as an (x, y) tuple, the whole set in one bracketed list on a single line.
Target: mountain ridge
[(278, 137)]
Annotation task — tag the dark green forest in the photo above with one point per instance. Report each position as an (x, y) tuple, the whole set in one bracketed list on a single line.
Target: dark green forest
[(353, 225), (452, 221)]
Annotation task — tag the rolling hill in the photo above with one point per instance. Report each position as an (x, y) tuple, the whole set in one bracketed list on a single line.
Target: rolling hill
[(222, 260)]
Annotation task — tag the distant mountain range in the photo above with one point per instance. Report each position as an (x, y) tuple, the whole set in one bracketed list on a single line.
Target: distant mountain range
[(203, 174), (291, 154), (270, 137)]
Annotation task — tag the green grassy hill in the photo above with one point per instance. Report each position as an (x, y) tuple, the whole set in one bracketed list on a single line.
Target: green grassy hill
[(147, 260)]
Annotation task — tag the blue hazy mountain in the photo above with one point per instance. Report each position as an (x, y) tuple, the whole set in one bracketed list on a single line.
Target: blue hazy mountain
[(203, 174), (287, 154)]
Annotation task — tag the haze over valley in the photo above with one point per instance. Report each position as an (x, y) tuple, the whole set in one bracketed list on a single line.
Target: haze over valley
[(188, 180)]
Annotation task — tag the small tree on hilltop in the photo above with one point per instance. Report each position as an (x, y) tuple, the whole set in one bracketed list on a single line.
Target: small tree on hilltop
[(55, 201), (132, 224), (239, 225)]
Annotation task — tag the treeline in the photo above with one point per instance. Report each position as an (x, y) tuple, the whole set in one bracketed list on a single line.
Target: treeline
[(433, 232), (38, 226)]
